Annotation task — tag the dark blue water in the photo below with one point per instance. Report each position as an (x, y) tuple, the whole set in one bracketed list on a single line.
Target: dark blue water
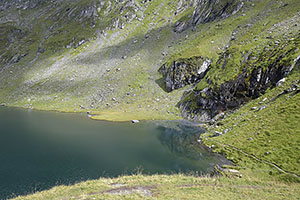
[(39, 150)]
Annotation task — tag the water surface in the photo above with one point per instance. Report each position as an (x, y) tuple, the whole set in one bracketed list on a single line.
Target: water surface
[(39, 150)]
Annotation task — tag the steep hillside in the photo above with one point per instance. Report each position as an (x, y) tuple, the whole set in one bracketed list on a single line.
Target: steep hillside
[(100, 56), (105, 56)]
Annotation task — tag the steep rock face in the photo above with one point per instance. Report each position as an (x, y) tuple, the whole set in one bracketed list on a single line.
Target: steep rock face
[(209, 10), (184, 72), (256, 77), (231, 94)]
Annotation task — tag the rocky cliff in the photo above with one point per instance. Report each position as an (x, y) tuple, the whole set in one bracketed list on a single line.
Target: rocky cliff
[(257, 74), (244, 69), (186, 72)]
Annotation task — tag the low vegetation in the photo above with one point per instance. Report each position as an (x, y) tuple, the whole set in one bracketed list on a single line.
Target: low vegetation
[(171, 187), (263, 135)]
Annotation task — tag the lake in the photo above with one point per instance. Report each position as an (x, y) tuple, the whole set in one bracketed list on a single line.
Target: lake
[(39, 150)]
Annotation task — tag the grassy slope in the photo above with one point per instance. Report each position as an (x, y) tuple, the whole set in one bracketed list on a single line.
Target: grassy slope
[(250, 30), (67, 79), (255, 139), (271, 134), (171, 187)]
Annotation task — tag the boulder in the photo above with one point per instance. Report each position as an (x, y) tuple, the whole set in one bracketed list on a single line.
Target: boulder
[(135, 121), (280, 82), (232, 171), (217, 133), (261, 108)]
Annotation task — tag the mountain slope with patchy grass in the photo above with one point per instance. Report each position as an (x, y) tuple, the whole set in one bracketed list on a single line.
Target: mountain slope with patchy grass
[(97, 56)]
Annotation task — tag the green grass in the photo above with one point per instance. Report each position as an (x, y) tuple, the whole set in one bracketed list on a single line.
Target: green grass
[(119, 116), (170, 187), (251, 30), (271, 134)]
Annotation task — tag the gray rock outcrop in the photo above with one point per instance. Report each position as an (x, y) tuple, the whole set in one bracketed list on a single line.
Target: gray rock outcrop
[(184, 72), (204, 105), (207, 11)]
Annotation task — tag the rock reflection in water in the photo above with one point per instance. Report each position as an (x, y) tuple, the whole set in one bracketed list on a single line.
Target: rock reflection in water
[(181, 138)]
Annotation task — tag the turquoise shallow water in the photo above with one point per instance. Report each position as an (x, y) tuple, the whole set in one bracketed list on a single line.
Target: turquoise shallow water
[(39, 150)]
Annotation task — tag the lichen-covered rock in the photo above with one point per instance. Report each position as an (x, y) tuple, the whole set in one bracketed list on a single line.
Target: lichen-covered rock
[(184, 72), (255, 78), (229, 95)]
